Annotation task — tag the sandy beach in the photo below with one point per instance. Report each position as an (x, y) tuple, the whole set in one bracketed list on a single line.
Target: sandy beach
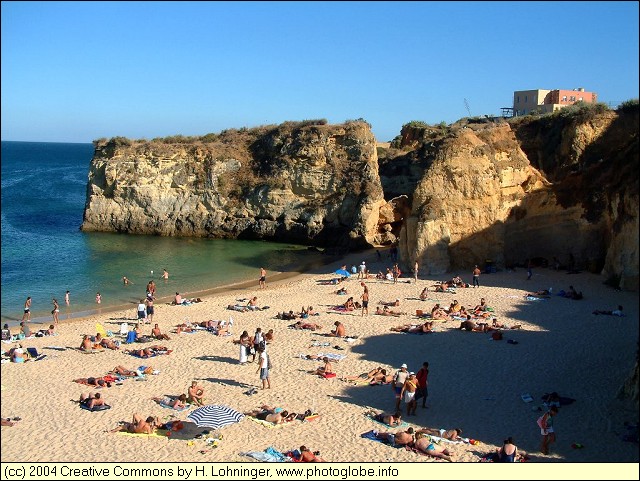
[(474, 383)]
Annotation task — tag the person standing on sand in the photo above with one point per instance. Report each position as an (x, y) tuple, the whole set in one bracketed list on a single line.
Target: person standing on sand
[(149, 303), (27, 310), (423, 383), (398, 383), (263, 369), (263, 278), (415, 272), (365, 299), (546, 429), (55, 311), (476, 276)]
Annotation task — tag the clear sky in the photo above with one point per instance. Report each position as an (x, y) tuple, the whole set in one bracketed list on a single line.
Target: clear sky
[(78, 71)]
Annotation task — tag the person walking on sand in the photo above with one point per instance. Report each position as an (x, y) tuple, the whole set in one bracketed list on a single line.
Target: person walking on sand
[(365, 299), (263, 278), (398, 383), (476, 276), (415, 272), (362, 272), (545, 422), (26, 316), (149, 303)]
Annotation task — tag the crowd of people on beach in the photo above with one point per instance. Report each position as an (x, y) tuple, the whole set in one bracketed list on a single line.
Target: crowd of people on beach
[(410, 389)]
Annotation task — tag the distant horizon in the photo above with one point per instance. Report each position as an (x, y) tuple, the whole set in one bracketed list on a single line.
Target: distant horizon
[(74, 72)]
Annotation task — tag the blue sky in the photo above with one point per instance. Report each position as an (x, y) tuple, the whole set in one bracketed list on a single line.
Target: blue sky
[(78, 71)]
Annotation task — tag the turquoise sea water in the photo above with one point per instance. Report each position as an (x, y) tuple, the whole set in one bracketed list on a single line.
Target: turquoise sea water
[(44, 253)]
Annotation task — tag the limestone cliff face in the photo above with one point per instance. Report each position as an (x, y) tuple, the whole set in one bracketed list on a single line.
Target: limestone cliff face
[(560, 186), (297, 182)]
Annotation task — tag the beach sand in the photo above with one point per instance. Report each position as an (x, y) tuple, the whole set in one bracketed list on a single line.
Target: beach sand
[(475, 383)]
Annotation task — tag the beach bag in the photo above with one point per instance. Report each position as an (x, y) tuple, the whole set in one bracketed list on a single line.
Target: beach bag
[(269, 365)]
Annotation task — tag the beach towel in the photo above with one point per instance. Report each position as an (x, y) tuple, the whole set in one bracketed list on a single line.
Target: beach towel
[(266, 424), (332, 356), (401, 425), (269, 455), (92, 351), (131, 337), (159, 433), (534, 298), (101, 330), (102, 407), (371, 435)]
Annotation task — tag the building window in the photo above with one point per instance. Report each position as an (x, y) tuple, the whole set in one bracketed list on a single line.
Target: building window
[(579, 99), (564, 98), (518, 99), (572, 98), (525, 99)]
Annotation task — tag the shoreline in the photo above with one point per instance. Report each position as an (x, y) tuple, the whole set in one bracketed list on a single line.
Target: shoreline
[(274, 278)]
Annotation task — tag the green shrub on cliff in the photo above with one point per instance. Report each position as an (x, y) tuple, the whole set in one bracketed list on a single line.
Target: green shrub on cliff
[(582, 111), (628, 105)]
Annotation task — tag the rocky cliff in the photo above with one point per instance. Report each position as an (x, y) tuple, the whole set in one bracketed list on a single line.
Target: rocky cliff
[(562, 186), (304, 182)]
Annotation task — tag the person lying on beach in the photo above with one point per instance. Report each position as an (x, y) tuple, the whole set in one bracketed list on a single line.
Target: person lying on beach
[(541, 293), (424, 294), (426, 327), (450, 434), (385, 311), (90, 401), (395, 303), (441, 287), (306, 456), (342, 291), (10, 421), (51, 331), (155, 332), (286, 316), (401, 438), (123, 371), (269, 414), (339, 330), (327, 368), (457, 282), (18, 354), (138, 425), (150, 351), (108, 343), (616, 312), (311, 326), (179, 402), (237, 307), (195, 394), (219, 328), (426, 445), (392, 420), (365, 376)]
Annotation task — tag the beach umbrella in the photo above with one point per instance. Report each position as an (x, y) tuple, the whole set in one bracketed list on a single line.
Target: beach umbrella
[(215, 416), (343, 273)]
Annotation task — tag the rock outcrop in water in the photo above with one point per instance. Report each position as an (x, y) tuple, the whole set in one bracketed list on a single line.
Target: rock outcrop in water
[(304, 182), (562, 185)]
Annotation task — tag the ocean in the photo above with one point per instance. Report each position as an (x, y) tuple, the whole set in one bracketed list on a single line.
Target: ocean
[(44, 253)]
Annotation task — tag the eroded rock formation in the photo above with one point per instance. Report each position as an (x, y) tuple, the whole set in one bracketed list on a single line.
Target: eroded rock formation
[(296, 182)]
